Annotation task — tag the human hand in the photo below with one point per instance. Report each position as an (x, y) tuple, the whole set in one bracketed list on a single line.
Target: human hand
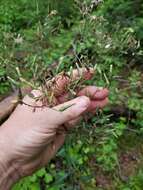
[(30, 139)]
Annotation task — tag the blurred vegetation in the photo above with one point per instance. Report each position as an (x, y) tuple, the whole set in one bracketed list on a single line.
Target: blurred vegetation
[(108, 152)]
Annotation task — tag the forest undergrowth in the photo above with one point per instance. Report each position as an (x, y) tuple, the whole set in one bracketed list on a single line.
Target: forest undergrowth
[(40, 39)]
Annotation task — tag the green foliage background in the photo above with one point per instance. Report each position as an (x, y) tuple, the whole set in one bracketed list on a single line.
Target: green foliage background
[(35, 34)]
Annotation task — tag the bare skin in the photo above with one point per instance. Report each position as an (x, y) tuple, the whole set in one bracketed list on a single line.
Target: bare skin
[(28, 140)]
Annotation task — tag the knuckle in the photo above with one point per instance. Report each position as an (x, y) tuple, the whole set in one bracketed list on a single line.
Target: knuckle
[(70, 115)]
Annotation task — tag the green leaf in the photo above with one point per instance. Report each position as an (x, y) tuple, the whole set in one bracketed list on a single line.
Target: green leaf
[(48, 178), (41, 172), (34, 186)]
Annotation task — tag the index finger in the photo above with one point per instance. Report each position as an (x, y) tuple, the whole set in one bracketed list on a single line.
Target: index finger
[(61, 81), (58, 85)]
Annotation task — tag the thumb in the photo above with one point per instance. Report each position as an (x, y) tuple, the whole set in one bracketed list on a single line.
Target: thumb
[(72, 109)]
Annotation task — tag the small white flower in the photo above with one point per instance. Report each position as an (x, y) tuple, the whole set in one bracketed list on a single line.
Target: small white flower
[(93, 17), (107, 46), (53, 12), (18, 40)]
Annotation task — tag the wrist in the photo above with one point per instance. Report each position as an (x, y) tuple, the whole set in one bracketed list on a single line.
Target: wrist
[(8, 171)]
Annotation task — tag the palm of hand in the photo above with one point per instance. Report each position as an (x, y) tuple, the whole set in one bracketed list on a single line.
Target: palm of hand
[(35, 135)]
